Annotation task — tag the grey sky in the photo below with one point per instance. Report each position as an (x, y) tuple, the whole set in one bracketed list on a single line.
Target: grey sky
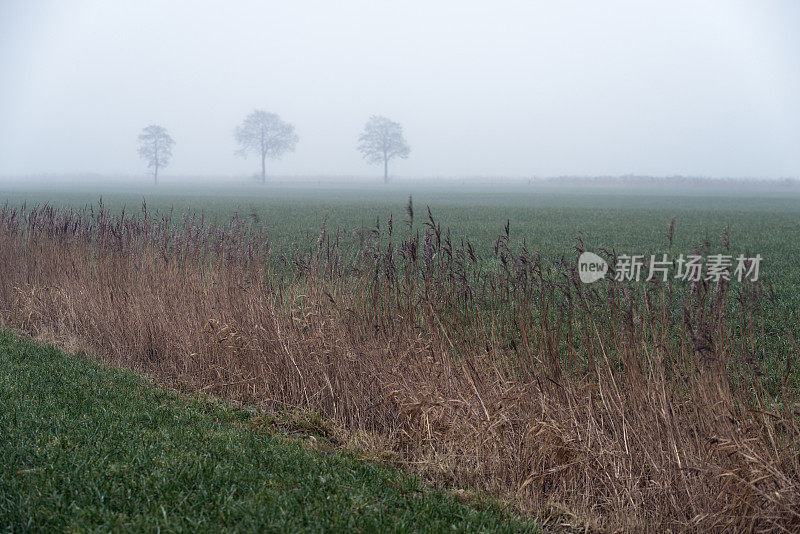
[(482, 88)]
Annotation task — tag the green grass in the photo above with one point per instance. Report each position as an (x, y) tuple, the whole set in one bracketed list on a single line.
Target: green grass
[(86, 447)]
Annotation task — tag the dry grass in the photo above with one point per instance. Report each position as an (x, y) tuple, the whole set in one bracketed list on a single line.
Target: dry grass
[(601, 406)]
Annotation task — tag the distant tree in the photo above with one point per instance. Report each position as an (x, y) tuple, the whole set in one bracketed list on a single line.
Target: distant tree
[(265, 135), (382, 140), (155, 147)]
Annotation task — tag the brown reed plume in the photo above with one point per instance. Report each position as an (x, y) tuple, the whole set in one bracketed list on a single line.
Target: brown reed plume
[(603, 406)]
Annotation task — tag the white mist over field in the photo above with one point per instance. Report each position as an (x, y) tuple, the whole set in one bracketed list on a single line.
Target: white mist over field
[(481, 88)]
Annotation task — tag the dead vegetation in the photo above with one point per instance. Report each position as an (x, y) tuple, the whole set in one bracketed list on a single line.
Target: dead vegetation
[(603, 406)]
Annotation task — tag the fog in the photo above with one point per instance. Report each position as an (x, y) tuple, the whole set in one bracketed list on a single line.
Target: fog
[(481, 88)]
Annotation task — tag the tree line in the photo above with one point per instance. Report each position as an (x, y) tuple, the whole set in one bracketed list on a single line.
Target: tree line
[(267, 136)]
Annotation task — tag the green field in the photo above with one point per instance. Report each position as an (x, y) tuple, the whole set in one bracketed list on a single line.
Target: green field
[(548, 218), (86, 447)]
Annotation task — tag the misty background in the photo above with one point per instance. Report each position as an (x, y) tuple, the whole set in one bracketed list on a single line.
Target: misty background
[(481, 88)]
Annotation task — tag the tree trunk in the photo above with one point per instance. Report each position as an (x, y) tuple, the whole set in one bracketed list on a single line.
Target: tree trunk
[(155, 175), (263, 168), (385, 169)]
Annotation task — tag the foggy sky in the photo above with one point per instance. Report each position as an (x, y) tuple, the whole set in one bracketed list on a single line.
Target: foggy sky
[(482, 88)]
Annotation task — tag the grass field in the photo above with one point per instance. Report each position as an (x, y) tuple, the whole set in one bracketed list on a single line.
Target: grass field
[(86, 447), (547, 218)]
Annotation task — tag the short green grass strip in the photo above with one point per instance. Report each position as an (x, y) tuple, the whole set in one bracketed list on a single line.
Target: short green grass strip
[(87, 447)]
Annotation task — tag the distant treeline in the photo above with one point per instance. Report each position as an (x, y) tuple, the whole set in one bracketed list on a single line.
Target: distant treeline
[(93, 179), (672, 181)]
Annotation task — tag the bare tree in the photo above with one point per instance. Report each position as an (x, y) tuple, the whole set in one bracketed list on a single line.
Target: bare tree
[(266, 135), (155, 147), (382, 140)]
